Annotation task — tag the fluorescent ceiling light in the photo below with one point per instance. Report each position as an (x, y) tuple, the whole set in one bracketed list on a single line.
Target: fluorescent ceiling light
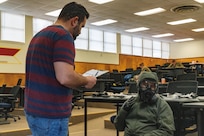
[(162, 35), (198, 30), (137, 29), (54, 13), (150, 12), (100, 1), (183, 40), (181, 21), (104, 22), (199, 1), (2, 1)]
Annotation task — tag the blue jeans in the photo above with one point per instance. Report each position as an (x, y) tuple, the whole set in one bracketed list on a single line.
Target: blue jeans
[(47, 127)]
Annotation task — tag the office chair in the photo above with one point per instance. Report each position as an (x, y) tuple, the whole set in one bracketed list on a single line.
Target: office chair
[(2, 90), (4, 109), (183, 87), (9, 103), (187, 76), (19, 81), (133, 88), (118, 85), (77, 95), (183, 117)]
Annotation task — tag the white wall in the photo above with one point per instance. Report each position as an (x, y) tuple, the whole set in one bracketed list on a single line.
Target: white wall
[(96, 57), (187, 49)]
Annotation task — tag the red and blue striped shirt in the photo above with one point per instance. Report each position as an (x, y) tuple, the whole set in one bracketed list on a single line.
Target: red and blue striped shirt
[(44, 95)]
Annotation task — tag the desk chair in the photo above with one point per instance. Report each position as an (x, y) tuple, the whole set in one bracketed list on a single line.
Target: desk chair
[(133, 88), (77, 95), (10, 103), (2, 90), (118, 85), (183, 87), (3, 109), (19, 81), (183, 117), (187, 76)]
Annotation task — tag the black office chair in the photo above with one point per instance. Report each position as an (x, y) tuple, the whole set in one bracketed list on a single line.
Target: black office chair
[(183, 117), (133, 88), (9, 103), (182, 86), (3, 87), (187, 76), (77, 95), (19, 81), (118, 85)]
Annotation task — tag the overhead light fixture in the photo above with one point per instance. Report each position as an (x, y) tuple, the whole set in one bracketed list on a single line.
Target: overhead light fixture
[(181, 21), (137, 29), (104, 22), (183, 40), (54, 13), (100, 1), (199, 1), (162, 35), (198, 30), (150, 12), (2, 1)]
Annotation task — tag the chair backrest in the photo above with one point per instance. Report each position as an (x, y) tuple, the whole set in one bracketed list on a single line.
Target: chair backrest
[(133, 87), (188, 76), (19, 81), (3, 88), (118, 77), (15, 90), (183, 87)]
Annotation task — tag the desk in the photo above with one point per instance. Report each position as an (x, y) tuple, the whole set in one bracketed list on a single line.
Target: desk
[(87, 99), (178, 111), (5, 95), (199, 106)]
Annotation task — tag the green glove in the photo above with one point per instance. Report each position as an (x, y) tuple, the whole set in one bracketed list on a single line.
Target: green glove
[(128, 104)]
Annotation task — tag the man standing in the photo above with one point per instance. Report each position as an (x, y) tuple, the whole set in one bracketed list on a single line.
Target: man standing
[(50, 74)]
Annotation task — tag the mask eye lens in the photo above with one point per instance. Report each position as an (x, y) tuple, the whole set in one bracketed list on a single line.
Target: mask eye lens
[(148, 84)]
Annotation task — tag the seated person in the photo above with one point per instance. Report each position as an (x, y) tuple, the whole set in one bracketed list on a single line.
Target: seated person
[(142, 68), (175, 64), (145, 114)]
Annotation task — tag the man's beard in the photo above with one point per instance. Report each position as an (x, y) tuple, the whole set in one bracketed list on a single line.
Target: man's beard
[(76, 32)]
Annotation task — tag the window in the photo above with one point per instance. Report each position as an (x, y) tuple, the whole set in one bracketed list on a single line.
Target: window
[(137, 46), (147, 48), (95, 40), (110, 42), (39, 24), (165, 50), (126, 44), (11, 31), (156, 49), (82, 40)]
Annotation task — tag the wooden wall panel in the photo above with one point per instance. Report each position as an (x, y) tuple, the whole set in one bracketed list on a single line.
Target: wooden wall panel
[(11, 79), (125, 61)]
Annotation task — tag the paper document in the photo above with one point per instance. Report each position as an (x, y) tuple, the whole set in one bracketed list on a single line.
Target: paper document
[(95, 72)]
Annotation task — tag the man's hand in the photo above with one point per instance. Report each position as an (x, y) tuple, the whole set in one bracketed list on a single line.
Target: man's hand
[(91, 82), (128, 104)]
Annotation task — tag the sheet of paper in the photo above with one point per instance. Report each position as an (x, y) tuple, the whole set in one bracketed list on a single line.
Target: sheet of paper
[(95, 72)]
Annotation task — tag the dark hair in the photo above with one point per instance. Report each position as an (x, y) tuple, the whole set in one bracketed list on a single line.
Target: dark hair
[(73, 9), (141, 64)]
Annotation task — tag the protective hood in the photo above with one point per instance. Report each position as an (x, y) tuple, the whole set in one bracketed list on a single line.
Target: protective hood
[(147, 75)]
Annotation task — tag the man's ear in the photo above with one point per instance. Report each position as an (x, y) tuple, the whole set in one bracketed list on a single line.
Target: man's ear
[(75, 21)]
